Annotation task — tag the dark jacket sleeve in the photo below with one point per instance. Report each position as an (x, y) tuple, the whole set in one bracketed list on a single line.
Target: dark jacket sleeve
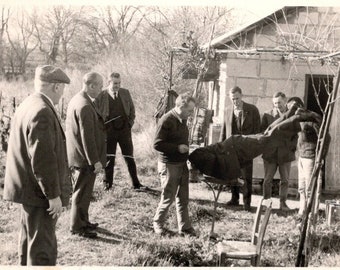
[(257, 120), (223, 132), (41, 148), (161, 142), (87, 126), (132, 115), (264, 122)]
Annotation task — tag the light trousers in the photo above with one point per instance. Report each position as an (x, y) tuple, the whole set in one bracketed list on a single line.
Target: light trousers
[(175, 185)]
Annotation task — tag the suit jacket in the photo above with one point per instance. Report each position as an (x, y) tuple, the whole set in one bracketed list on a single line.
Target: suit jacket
[(85, 133), (250, 121), (102, 103), (36, 167), (283, 147)]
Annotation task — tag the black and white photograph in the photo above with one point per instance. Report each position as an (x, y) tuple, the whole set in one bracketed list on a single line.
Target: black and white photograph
[(161, 134)]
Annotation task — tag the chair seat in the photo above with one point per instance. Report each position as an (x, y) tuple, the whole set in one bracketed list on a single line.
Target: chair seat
[(237, 249)]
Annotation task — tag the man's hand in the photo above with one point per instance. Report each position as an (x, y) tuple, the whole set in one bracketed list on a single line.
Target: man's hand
[(55, 208), (183, 148), (97, 167)]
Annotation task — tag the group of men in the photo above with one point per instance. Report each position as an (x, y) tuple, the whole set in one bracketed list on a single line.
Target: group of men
[(40, 156), (244, 119), (45, 165)]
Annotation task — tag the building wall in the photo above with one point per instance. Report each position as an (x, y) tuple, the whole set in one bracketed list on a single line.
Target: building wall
[(261, 75)]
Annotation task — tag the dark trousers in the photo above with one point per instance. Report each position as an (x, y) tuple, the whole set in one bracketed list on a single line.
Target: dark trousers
[(82, 192), (247, 175), (37, 239), (124, 139)]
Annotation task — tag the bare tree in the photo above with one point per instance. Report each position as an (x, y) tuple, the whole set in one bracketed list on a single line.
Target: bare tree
[(54, 29), (113, 26), (21, 41), (5, 14)]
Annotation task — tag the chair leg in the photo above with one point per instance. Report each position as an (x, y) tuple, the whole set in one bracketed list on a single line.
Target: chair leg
[(221, 259), (255, 261)]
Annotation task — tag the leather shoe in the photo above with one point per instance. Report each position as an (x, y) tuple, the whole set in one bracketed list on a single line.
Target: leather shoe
[(189, 232), (87, 233), (233, 203), (140, 187), (92, 225), (107, 187)]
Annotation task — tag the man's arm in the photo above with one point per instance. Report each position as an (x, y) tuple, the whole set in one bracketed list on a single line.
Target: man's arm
[(257, 121), (41, 148), (87, 126), (132, 115), (161, 142)]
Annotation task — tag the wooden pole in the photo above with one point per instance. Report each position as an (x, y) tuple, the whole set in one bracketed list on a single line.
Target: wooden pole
[(170, 72), (302, 259)]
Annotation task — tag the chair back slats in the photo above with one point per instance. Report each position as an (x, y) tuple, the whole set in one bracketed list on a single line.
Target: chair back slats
[(263, 228), (255, 232)]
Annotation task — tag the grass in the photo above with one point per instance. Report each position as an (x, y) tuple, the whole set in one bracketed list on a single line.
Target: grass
[(126, 236)]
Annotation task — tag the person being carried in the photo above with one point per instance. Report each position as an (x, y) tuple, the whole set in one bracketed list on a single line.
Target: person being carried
[(224, 160)]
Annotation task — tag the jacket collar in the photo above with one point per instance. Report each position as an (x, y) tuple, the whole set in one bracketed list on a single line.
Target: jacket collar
[(48, 101), (86, 96)]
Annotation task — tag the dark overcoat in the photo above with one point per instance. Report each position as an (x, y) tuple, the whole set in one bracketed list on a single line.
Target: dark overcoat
[(36, 166)]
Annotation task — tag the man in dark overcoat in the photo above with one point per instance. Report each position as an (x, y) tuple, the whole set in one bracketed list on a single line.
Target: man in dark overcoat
[(37, 175), (85, 138)]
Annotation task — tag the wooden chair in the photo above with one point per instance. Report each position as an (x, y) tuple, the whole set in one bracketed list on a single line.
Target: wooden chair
[(247, 250)]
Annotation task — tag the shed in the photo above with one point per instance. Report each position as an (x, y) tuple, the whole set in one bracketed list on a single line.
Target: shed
[(293, 50)]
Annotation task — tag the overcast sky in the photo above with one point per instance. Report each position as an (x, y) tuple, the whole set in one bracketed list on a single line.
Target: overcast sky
[(256, 8)]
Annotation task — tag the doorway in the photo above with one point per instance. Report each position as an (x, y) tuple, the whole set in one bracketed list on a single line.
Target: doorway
[(318, 88)]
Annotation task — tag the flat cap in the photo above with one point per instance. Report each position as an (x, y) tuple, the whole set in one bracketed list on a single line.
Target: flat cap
[(51, 74)]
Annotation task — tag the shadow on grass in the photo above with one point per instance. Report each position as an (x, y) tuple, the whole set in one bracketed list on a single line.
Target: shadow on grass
[(111, 234)]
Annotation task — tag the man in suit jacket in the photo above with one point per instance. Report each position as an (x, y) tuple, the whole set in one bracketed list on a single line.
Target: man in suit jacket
[(243, 119), (280, 156), (85, 138), (37, 175), (118, 110)]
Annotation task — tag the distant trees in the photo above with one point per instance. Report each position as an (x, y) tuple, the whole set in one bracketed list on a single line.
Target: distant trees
[(83, 36), (4, 17), (21, 40)]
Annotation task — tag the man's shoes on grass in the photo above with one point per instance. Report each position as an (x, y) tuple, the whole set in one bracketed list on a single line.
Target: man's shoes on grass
[(161, 231), (85, 232), (233, 203), (92, 226), (140, 187), (189, 232), (107, 187)]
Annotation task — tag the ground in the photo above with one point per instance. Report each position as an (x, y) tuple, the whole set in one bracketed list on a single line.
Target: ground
[(126, 236)]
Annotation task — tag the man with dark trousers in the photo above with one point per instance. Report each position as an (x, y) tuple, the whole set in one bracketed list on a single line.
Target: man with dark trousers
[(118, 110), (171, 141), (242, 119), (37, 175), (280, 156), (85, 138)]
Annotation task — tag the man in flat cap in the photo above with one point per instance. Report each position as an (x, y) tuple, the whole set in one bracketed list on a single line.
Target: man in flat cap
[(37, 175), (86, 151)]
